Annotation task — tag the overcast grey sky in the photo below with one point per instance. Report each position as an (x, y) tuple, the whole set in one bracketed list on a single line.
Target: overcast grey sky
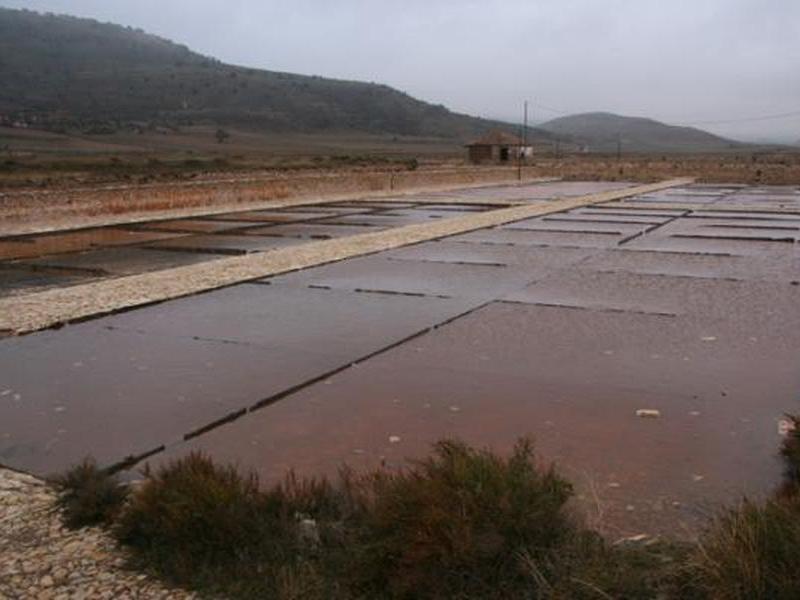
[(681, 61)]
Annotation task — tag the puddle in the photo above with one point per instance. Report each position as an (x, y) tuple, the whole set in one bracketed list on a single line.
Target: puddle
[(16, 279), (193, 225), (272, 216), (122, 261), (319, 230), (56, 243), (225, 244)]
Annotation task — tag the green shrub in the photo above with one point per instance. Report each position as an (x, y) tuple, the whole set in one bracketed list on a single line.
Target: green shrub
[(88, 495)]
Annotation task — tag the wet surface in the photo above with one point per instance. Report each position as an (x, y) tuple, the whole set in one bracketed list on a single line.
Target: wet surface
[(19, 279), (192, 225), (573, 379), (560, 327), (34, 246), (120, 261), (177, 242), (126, 384), (112, 394), (272, 216), (314, 231), (376, 274), (523, 237), (224, 244)]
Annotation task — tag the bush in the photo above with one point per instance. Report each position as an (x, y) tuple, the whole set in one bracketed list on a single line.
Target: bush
[(458, 523), (752, 552), (201, 524), (89, 495), (790, 452), (586, 567), (463, 523)]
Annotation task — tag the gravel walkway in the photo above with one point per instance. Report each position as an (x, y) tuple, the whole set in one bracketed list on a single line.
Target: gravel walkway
[(41, 559), (31, 312)]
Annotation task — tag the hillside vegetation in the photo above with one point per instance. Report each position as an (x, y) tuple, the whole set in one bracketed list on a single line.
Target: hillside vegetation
[(600, 132), (62, 73)]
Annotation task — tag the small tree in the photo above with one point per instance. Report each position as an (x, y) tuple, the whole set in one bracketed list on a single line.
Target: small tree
[(222, 135)]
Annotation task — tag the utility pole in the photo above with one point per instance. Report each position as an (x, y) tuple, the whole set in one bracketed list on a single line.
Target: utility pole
[(523, 148), (619, 147), (525, 127)]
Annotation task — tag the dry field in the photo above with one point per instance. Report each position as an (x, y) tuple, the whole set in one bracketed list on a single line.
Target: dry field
[(780, 168)]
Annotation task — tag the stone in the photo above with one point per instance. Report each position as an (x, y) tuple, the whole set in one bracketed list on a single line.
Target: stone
[(54, 562), (648, 413)]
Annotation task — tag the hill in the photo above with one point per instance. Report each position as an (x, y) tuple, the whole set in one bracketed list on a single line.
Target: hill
[(600, 131), (65, 73)]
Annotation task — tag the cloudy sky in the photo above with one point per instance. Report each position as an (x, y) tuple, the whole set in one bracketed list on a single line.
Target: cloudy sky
[(699, 62)]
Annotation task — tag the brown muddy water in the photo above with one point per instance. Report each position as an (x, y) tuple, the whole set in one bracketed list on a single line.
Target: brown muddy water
[(560, 327)]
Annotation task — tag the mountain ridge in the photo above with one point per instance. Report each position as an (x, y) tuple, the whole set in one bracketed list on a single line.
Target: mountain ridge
[(602, 131), (68, 72)]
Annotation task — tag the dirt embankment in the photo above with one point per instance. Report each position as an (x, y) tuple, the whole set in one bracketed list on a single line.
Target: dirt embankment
[(236, 191), (754, 169)]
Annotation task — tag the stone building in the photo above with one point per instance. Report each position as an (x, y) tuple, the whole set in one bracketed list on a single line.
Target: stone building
[(498, 147)]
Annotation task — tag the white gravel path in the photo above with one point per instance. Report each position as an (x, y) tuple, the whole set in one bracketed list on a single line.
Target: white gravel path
[(41, 559)]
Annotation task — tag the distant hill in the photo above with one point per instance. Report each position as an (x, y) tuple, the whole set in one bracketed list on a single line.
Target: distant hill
[(64, 73), (599, 132)]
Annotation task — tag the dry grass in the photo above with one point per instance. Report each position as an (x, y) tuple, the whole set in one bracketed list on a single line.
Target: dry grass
[(752, 552), (765, 168)]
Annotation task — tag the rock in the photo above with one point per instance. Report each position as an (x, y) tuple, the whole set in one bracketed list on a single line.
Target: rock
[(785, 427), (308, 531), (43, 560), (648, 413), (633, 539), (394, 439)]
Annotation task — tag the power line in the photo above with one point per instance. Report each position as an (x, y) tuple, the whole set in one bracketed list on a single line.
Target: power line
[(787, 115)]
